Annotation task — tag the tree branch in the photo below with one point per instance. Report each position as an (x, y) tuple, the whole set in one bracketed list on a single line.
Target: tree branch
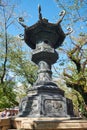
[(6, 50), (10, 15), (84, 65)]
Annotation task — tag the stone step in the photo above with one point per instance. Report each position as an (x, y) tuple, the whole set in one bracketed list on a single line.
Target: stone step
[(13, 129)]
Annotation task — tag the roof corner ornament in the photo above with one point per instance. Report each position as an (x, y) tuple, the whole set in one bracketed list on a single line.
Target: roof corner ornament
[(39, 11), (21, 20), (70, 30), (62, 14)]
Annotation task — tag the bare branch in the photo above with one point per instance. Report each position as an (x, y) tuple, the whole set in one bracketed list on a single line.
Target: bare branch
[(55, 70), (11, 13), (6, 51), (13, 21), (73, 42), (67, 75), (84, 65)]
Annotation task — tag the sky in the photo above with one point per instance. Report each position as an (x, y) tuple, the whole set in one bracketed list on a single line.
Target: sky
[(29, 10), (50, 10)]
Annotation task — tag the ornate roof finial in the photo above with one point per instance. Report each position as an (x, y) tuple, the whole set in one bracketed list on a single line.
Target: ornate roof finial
[(39, 10), (62, 14), (21, 21), (70, 30)]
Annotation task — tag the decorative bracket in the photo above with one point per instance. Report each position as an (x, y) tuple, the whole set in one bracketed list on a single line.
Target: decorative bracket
[(62, 14), (21, 20), (70, 30)]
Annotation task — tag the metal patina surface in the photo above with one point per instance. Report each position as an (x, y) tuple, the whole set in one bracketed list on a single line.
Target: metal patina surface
[(45, 98), (50, 33)]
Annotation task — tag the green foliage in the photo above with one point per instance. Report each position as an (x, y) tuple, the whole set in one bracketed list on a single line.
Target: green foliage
[(20, 64), (14, 59), (21, 69), (75, 74), (83, 110), (7, 95)]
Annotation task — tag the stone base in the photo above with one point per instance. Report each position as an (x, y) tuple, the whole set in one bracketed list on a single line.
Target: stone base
[(42, 124), (45, 101), (5, 123), (49, 124)]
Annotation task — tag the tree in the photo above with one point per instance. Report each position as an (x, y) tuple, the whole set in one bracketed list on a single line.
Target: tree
[(75, 13), (75, 72), (7, 94), (14, 63), (20, 63), (76, 77)]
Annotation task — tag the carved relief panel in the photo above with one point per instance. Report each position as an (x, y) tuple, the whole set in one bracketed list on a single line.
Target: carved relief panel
[(54, 107)]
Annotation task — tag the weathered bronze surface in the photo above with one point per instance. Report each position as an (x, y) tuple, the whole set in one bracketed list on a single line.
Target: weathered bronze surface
[(45, 98), (50, 33)]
